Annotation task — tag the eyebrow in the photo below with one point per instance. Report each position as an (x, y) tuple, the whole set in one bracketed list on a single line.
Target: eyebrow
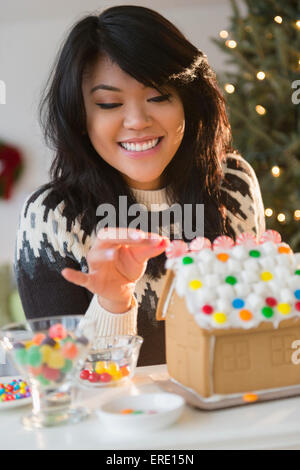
[(106, 87)]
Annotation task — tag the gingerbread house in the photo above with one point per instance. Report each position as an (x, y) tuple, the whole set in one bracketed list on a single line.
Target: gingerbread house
[(232, 313)]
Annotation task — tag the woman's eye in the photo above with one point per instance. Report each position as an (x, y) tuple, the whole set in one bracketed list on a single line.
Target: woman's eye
[(156, 99)]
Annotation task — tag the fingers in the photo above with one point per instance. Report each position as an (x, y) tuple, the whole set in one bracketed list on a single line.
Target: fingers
[(76, 277), (143, 253), (112, 236)]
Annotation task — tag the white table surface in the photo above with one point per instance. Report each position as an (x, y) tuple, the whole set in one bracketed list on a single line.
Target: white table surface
[(270, 425)]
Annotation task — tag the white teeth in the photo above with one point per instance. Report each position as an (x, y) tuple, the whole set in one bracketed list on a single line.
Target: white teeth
[(140, 147)]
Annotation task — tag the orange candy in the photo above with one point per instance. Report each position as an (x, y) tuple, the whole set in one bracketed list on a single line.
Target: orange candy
[(223, 257), (250, 397), (69, 350), (126, 411), (284, 249), (124, 370), (245, 315), (38, 338)]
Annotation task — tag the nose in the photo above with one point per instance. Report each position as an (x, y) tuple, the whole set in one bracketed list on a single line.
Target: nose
[(137, 117)]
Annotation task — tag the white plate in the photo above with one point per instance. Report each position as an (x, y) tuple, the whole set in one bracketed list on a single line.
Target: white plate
[(5, 405), (168, 408)]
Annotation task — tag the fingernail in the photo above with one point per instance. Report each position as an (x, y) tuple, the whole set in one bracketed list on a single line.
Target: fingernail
[(108, 254), (136, 235)]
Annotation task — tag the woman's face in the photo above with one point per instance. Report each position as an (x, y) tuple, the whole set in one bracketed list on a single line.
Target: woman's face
[(134, 113)]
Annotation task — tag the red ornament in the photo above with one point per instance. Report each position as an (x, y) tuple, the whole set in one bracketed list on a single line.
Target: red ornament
[(10, 169)]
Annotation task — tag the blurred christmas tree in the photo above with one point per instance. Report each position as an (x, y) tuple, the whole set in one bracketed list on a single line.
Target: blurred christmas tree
[(263, 96)]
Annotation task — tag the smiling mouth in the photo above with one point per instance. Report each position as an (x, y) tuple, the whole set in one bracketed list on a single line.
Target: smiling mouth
[(133, 149)]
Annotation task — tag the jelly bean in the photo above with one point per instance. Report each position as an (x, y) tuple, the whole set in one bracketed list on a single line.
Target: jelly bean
[(223, 257), (49, 342), (69, 350), (46, 350), (35, 370), (195, 284), (43, 380), (105, 377), (28, 344), (67, 367), (126, 411), (94, 377), (51, 374), (38, 338), (207, 309), (57, 331), (21, 356), (56, 360), (84, 374), (34, 356), (231, 280)]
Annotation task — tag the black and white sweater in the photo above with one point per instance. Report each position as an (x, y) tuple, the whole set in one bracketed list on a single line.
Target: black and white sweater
[(47, 242)]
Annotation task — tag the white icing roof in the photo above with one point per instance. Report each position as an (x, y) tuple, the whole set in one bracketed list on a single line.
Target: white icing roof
[(239, 287)]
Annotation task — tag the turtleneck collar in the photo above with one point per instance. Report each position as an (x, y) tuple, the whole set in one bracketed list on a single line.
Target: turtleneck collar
[(148, 197)]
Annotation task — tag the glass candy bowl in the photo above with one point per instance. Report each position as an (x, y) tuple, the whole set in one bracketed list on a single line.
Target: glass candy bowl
[(111, 360), (48, 352)]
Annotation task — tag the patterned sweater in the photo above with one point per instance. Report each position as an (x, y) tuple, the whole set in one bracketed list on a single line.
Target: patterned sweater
[(47, 242)]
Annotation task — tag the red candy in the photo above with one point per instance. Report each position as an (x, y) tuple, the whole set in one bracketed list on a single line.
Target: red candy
[(271, 301), (297, 306), (51, 374), (94, 377), (199, 243), (176, 248), (270, 236), (207, 309), (84, 374), (105, 377), (246, 239), (223, 243), (57, 331)]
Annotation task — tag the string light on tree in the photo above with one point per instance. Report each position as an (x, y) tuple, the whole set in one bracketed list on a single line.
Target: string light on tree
[(261, 75), (297, 214), (298, 24), (268, 212), (229, 88), (278, 19), (275, 171), (260, 109), (223, 34), (231, 43), (281, 217)]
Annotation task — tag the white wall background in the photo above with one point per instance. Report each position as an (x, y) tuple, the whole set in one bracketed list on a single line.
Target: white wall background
[(31, 32)]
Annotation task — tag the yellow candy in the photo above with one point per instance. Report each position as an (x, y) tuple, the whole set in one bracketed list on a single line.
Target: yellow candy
[(28, 344), (56, 360), (219, 317), (284, 309), (266, 276), (112, 368), (57, 341), (117, 375), (195, 284), (46, 350), (100, 367)]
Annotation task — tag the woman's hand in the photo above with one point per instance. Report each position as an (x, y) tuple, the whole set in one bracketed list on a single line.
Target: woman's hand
[(117, 260)]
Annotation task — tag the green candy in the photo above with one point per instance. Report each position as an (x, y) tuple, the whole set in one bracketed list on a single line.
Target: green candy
[(231, 280), (67, 367), (34, 356), (43, 380), (254, 253), (187, 260), (267, 312), (297, 272), (21, 356)]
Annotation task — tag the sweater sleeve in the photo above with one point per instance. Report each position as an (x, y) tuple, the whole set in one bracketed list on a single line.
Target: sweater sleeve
[(46, 243), (243, 197)]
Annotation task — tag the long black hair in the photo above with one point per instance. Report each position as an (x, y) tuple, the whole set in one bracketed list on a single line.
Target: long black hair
[(151, 49)]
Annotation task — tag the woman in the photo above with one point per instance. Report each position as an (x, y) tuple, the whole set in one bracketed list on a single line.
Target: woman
[(124, 79)]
